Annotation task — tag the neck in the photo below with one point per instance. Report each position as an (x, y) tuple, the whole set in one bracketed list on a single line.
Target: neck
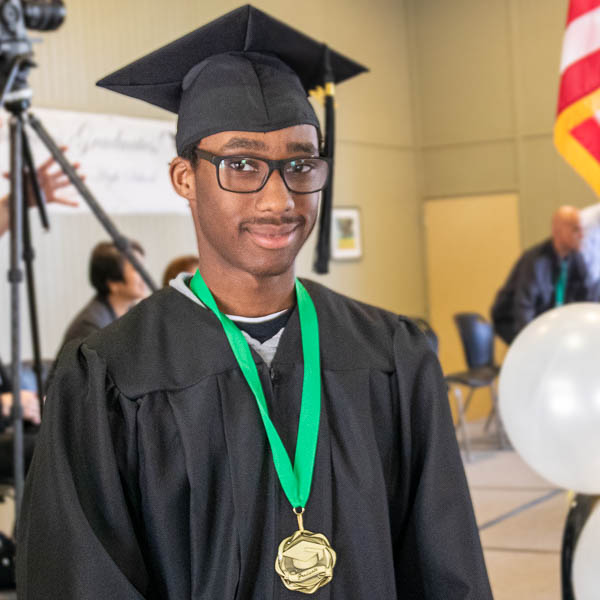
[(560, 251), (246, 295), (119, 304)]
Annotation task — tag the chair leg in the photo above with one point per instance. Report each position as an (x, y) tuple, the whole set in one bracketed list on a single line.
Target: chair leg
[(491, 416), (502, 440), (469, 398), (461, 421)]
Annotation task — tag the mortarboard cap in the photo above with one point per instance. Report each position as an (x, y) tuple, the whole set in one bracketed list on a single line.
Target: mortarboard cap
[(244, 71)]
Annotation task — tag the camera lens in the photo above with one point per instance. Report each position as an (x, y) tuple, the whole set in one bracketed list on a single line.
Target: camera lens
[(44, 16)]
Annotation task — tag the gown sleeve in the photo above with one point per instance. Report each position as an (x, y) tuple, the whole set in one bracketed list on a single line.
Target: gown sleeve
[(76, 537), (439, 555)]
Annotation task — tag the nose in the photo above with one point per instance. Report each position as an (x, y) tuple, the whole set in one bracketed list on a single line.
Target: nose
[(274, 197)]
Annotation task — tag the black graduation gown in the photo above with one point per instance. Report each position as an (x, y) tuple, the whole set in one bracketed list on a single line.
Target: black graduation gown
[(153, 477)]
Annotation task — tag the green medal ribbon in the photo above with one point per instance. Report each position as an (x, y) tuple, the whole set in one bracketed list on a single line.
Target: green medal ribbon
[(295, 481)]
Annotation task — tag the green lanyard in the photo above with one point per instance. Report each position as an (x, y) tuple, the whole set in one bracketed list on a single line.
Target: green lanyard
[(561, 283), (295, 481)]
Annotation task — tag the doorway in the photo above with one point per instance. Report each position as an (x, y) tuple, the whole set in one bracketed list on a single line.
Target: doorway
[(471, 244)]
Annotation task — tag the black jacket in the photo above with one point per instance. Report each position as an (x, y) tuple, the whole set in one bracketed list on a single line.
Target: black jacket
[(95, 315), (530, 289)]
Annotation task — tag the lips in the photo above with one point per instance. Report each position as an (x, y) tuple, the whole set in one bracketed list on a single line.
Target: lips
[(272, 237)]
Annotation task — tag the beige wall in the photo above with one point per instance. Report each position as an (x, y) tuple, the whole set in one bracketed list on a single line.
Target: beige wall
[(460, 101), (486, 84), (375, 171)]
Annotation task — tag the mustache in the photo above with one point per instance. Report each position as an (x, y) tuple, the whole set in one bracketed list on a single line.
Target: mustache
[(285, 220)]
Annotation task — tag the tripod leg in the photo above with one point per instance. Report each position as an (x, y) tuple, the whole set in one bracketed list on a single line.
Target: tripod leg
[(28, 257), (581, 507), (15, 67), (120, 241), (15, 277), (38, 193)]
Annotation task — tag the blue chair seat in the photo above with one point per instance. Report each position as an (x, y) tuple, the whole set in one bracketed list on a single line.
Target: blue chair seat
[(475, 378)]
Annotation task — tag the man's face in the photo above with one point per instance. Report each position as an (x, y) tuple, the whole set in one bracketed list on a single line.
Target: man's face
[(571, 233), (133, 286), (258, 233)]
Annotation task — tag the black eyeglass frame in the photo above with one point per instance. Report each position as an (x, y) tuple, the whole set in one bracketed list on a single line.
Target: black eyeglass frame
[(274, 165)]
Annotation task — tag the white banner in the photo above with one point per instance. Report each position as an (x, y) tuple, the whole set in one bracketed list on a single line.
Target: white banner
[(125, 160)]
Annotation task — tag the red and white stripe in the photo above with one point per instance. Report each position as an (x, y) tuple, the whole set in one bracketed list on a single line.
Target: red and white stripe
[(581, 38), (577, 129)]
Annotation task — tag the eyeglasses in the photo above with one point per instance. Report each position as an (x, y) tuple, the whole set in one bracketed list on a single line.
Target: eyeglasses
[(246, 174)]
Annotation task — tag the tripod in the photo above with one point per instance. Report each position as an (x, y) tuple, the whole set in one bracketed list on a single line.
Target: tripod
[(580, 510), (22, 174)]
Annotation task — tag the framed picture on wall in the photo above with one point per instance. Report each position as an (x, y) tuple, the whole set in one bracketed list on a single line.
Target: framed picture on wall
[(345, 234)]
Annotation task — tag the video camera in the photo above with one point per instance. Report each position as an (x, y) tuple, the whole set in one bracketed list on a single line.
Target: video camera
[(16, 56)]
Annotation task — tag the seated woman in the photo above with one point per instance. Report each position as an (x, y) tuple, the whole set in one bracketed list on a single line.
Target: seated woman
[(181, 264)]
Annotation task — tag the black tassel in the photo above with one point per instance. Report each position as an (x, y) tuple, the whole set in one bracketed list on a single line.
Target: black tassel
[(321, 264)]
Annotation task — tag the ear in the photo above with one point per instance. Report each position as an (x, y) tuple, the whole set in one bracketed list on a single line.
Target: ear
[(113, 286), (182, 178)]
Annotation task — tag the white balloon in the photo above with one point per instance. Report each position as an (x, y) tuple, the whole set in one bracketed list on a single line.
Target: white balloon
[(549, 396), (585, 573)]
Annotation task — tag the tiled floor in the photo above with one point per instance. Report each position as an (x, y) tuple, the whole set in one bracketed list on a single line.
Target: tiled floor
[(521, 517)]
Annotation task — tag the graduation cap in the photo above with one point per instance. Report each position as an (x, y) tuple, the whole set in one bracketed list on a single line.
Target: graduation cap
[(305, 554), (244, 71)]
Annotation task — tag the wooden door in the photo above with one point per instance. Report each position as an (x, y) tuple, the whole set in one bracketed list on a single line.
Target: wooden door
[(471, 245)]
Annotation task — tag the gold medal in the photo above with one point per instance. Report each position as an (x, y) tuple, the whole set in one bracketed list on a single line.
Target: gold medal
[(305, 560)]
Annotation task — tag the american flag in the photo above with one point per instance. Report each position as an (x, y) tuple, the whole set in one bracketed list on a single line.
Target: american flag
[(577, 126)]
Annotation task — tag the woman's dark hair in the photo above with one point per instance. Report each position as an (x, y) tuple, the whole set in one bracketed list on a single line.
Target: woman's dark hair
[(106, 264), (182, 264)]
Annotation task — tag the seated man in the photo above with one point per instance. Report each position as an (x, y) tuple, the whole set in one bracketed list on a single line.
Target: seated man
[(31, 417), (29, 402), (550, 274), (118, 287)]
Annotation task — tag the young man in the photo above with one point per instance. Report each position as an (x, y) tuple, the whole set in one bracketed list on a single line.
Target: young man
[(118, 287), (302, 444)]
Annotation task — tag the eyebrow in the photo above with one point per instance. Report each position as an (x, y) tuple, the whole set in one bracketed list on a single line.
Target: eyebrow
[(306, 147), (244, 144)]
